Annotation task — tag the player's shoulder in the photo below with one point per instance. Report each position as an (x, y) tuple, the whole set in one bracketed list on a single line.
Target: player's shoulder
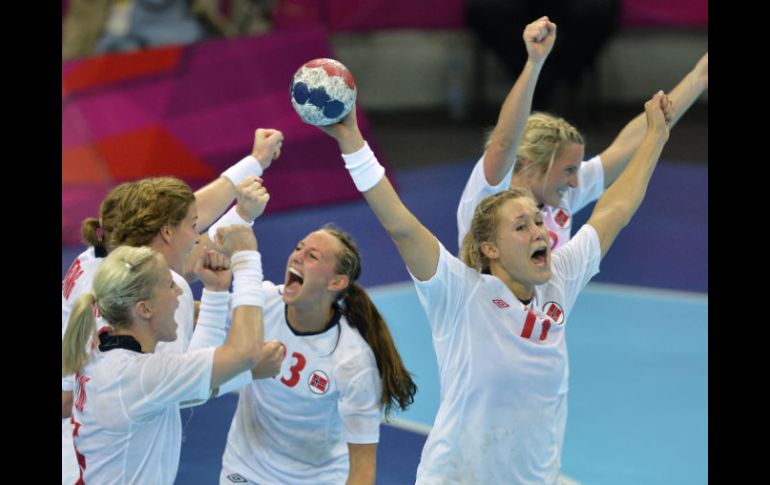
[(354, 351)]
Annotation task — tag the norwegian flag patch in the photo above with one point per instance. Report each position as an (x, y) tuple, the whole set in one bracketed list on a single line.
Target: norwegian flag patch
[(561, 218), (500, 303), (318, 382), (554, 311)]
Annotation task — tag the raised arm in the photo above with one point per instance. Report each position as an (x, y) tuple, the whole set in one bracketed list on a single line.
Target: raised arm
[(363, 464), (620, 201), (418, 247), (214, 198), (616, 156), (243, 348), (252, 199), (500, 154)]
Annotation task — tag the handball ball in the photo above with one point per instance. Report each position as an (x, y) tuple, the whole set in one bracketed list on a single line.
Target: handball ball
[(323, 92)]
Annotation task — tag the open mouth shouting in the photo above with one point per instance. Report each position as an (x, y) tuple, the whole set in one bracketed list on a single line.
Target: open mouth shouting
[(294, 280), (540, 257)]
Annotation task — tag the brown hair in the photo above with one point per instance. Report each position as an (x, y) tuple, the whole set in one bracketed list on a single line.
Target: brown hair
[(110, 213), (484, 225), (157, 202), (127, 275), (398, 388)]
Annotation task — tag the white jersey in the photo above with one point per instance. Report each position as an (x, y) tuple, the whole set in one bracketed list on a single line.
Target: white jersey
[(295, 427), (501, 368), (77, 282), (558, 220), (128, 428)]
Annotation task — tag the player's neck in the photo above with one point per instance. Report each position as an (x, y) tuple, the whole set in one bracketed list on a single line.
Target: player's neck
[(308, 319)]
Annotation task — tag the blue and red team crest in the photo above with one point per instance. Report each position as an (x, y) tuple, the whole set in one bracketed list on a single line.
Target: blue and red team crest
[(318, 382)]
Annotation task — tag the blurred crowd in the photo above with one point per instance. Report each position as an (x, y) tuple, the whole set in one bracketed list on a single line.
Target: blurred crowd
[(102, 26)]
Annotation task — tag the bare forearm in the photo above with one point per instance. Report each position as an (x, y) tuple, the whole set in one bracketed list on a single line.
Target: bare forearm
[(212, 200), (685, 94), (630, 187), (617, 155), (417, 246), (361, 476), (363, 464), (66, 404), (500, 155)]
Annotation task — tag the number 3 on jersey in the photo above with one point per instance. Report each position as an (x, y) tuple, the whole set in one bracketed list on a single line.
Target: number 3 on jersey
[(295, 370)]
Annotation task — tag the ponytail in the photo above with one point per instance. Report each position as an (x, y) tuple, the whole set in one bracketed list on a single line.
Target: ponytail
[(80, 328), (97, 232), (127, 275), (398, 388)]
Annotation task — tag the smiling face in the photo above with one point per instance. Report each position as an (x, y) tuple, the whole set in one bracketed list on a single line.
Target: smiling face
[(520, 254), (311, 270), (550, 189)]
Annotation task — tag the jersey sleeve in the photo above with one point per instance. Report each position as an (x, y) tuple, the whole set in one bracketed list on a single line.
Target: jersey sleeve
[(360, 388), (167, 378), (77, 282), (575, 263), (590, 185), (443, 296), (476, 189)]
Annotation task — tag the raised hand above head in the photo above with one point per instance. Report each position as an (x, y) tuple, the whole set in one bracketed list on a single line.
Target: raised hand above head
[(346, 133), (213, 269), (267, 146), (234, 238), (539, 37), (252, 198), (656, 113)]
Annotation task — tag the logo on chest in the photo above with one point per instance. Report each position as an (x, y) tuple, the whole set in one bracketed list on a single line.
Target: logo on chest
[(561, 218), (500, 303), (554, 311), (318, 383)]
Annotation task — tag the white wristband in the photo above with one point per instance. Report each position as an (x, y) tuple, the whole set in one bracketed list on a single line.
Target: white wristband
[(212, 318), (247, 166), (231, 217), (364, 168), (247, 279)]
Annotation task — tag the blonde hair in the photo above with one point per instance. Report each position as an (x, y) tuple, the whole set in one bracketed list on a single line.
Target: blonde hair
[(156, 202), (543, 138), (484, 226), (127, 275)]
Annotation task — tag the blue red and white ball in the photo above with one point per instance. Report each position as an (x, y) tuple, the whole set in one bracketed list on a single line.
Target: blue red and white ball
[(323, 92)]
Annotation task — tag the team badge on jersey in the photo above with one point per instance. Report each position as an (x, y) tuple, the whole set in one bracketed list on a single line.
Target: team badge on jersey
[(318, 382), (236, 478), (500, 303), (554, 311), (561, 218)]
